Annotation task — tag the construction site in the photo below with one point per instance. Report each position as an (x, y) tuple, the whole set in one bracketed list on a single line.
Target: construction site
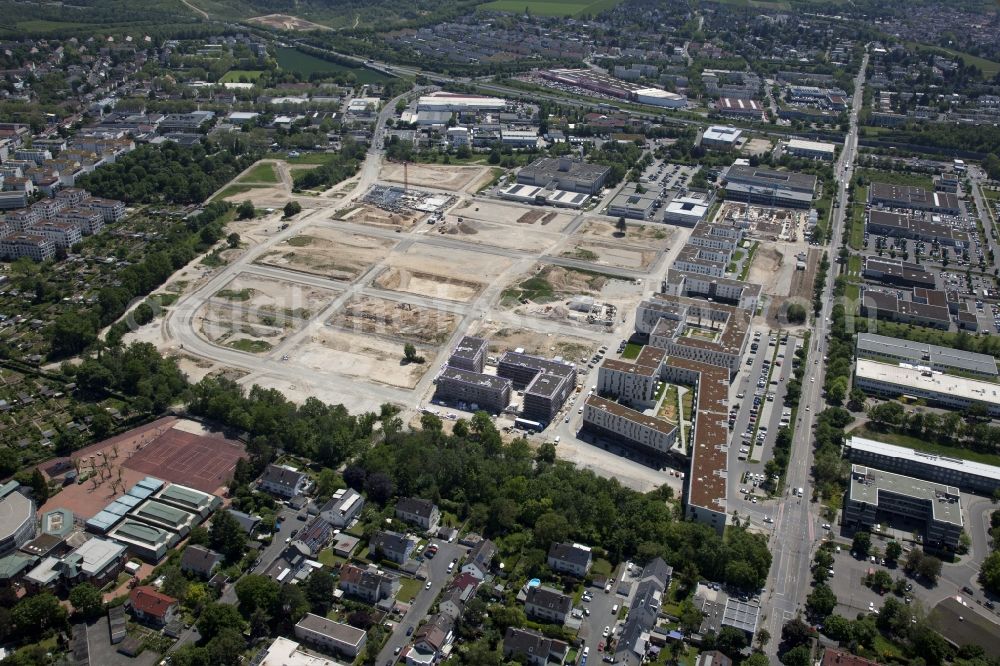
[(329, 252), (396, 320), (771, 224), (438, 272), (443, 177), (609, 254)]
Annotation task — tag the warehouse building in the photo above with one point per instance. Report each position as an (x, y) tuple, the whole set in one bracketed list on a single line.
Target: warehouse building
[(942, 359), (721, 137), (749, 109), (457, 103), (486, 392), (914, 198), (876, 496), (783, 189), (646, 434), (901, 225), (898, 273), (950, 391), (931, 311), (973, 476), (564, 173), (817, 150)]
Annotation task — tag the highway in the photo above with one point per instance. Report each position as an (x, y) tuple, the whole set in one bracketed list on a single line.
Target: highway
[(796, 524)]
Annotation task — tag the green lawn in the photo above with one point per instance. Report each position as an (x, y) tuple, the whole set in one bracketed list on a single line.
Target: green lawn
[(854, 266), (631, 351), (294, 60), (262, 172), (241, 75), (233, 190), (857, 238), (927, 447), (896, 178), (408, 589), (250, 346), (988, 67), (748, 262), (550, 7)]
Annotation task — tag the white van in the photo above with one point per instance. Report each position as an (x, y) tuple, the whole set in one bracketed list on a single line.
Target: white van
[(614, 609)]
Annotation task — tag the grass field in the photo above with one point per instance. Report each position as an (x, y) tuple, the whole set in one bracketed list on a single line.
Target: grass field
[(551, 7), (631, 351), (236, 75), (294, 60), (233, 190), (988, 67), (857, 237), (261, 173), (895, 178)]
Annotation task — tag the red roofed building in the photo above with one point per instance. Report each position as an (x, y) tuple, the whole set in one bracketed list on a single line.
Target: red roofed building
[(835, 657), (151, 606)]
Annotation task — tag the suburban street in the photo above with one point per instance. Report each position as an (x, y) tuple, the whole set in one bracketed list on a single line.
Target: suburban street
[(796, 525)]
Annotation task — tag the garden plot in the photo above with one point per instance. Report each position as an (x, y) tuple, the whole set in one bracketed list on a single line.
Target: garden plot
[(336, 351), (396, 320), (332, 253), (453, 275), (442, 177), (243, 330), (542, 219), (609, 254), (266, 295)]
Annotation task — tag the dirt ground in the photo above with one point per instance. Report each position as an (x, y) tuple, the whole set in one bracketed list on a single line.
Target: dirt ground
[(498, 235), (609, 254), (265, 294), (494, 211), (255, 231), (756, 147), (328, 252), (359, 355), (286, 22), (400, 321), (245, 330), (657, 236), (441, 273), (365, 214), (504, 337), (441, 177), (767, 270), (563, 283)]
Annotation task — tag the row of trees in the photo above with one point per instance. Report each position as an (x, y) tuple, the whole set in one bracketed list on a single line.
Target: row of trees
[(339, 167)]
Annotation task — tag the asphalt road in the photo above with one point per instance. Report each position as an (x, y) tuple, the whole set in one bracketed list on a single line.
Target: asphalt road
[(796, 522)]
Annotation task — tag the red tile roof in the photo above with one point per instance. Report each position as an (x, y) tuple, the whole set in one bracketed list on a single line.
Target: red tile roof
[(148, 601)]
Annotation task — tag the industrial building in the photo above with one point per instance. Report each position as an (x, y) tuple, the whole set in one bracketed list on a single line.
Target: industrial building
[(487, 392), (457, 103), (17, 518), (632, 204), (876, 496), (902, 225), (942, 359), (547, 384), (749, 109), (898, 273), (685, 211), (608, 85), (914, 198), (649, 435), (721, 137), (470, 354), (950, 391), (783, 189), (817, 150), (927, 307), (564, 173), (972, 476)]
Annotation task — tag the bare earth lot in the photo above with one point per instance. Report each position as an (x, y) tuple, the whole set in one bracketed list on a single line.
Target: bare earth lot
[(452, 275), (395, 320), (365, 214), (543, 219), (609, 254), (498, 235), (270, 295), (356, 355), (286, 22), (328, 252), (247, 331), (657, 236), (452, 178), (504, 336)]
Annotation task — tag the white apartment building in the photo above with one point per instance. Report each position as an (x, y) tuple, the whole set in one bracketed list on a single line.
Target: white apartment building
[(628, 426)]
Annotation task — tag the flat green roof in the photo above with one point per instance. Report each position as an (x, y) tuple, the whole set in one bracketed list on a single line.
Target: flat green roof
[(186, 495), (163, 513), (141, 532)]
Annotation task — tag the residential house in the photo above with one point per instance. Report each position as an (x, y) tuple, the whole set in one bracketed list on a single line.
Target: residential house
[(200, 561), (478, 563), (714, 658), (335, 637), (342, 508), (643, 612), (284, 481), (548, 605), (531, 648), (458, 594), (571, 558), (368, 584), (430, 640), (420, 512), (152, 606), (391, 546)]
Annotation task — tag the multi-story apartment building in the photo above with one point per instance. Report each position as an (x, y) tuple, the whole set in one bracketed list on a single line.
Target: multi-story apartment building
[(487, 392)]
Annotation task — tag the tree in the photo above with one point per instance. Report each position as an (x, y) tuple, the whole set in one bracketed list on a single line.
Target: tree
[(893, 550), (989, 574), (796, 313), (216, 617), (257, 593), (226, 648), (546, 452), (227, 537), (731, 641), (862, 543), (245, 211), (821, 601), (87, 600), (319, 591), (36, 614), (796, 632), (881, 581), (912, 561), (763, 638), (622, 226), (174, 582), (756, 659), (929, 568), (292, 208), (233, 240), (690, 616), (410, 354), (328, 482), (798, 656)]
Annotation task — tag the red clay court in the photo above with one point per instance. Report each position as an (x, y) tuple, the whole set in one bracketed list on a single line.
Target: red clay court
[(199, 461)]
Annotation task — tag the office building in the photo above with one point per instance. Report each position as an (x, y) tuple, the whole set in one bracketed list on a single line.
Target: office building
[(564, 173), (949, 391), (632, 204), (487, 392), (972, 476), (756, 185), (942, 359), (685, 211), (905, 225), (927, 307), (813, 149), (898, 273), (914, 198), (876, 496), (721, 137)]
